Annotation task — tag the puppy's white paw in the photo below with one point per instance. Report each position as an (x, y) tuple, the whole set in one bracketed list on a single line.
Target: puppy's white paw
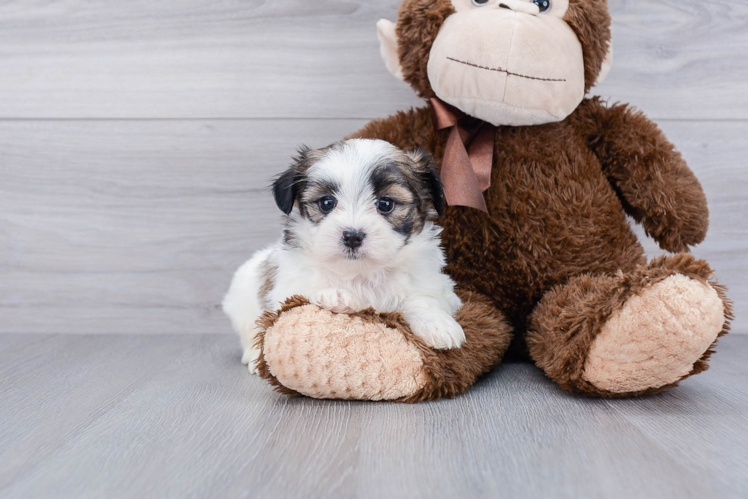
[(335, 300), (250, 358), (438, 329)]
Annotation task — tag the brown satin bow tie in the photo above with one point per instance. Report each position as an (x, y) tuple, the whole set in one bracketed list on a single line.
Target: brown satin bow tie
[(468, 156)]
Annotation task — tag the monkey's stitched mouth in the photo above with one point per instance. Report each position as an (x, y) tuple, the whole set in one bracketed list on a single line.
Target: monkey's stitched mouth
[(501, 70)]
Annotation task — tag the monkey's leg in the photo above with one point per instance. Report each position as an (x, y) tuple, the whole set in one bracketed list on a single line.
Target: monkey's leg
[(630, 334), (374, 356)]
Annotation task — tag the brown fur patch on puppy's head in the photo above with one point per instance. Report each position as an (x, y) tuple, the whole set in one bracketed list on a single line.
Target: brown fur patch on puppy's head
[(410, 181)]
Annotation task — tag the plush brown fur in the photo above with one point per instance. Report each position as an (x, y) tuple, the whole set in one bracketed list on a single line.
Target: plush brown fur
[(590, 21), (554, 255)]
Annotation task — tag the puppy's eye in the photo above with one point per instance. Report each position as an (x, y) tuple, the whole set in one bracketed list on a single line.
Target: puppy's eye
[(543, 5), (327, 204), (481, 3), (385, 205)]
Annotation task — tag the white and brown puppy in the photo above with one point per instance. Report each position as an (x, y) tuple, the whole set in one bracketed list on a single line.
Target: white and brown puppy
[(359, 233)]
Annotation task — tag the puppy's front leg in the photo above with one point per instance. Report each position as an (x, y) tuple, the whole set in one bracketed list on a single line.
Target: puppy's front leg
[(433, 324), (336, 300), (250, 355)]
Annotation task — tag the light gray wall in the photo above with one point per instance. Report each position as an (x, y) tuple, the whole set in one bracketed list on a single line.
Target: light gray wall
[(137, 139)]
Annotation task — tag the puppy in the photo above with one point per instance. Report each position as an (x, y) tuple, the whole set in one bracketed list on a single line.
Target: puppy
[(358, 233)]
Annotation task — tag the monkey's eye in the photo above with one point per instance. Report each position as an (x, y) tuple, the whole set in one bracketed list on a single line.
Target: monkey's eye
[(327, 204), (481, 3), (543, 5), (385, 205)]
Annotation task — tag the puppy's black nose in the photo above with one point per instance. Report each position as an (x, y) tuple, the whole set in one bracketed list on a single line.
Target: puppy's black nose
[(353, 238)]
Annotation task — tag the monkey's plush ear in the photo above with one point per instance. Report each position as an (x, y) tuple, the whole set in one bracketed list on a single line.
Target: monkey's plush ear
[(286, 185), (427, 172), (607, 64), (388, 47)]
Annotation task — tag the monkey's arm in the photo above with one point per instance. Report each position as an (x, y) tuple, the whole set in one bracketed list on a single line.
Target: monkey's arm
[(651, 178), (405, 129)]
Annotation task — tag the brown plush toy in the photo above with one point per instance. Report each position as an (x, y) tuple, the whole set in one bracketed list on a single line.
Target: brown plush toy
[(538, 180)]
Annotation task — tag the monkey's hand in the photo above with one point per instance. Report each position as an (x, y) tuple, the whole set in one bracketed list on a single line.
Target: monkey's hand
[(653, 181)]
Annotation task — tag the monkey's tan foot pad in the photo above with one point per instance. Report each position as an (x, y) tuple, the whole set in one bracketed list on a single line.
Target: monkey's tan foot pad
[(314, 352), (656, 337)]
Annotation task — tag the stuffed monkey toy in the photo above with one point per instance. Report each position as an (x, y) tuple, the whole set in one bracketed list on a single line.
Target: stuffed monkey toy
[(538, 179)]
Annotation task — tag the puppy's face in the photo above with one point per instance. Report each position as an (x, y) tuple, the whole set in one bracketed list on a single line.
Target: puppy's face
[(354, 205)]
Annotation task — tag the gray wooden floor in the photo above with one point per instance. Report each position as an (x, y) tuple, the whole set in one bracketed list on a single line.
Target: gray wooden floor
[(137, 141), (166, 416)]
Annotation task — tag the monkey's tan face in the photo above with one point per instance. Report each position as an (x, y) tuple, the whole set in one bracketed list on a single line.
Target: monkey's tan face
[(507, 63)]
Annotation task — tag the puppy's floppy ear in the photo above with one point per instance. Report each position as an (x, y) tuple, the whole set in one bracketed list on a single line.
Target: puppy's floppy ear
[(283, 190), (434, 184), (286, 185), (427, 171)]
